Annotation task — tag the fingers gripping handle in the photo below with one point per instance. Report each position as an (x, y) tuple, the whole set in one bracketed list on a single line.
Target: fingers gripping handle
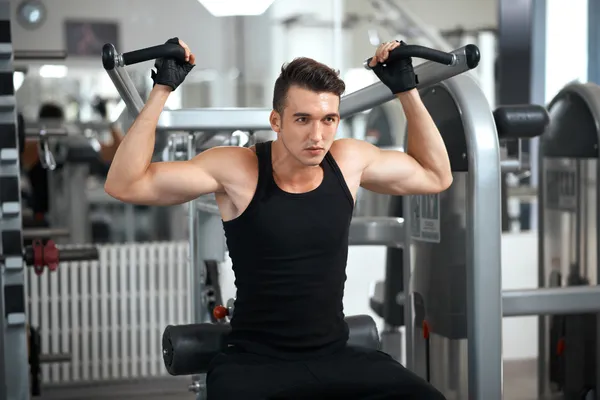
[(111, 59), (412, 50)]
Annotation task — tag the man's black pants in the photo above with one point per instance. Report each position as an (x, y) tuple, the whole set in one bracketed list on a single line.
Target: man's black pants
[(351, 373)]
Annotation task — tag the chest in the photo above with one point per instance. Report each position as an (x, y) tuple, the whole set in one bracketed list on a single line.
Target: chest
[(316, 222)]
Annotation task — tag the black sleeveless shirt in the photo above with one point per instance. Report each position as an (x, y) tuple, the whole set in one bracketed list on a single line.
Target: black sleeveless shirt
[(289, 254)]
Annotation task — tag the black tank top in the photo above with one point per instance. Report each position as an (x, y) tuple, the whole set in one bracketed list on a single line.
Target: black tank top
[(289, 254)]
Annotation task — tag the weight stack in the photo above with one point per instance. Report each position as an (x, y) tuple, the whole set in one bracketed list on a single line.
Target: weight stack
[(14, 369)]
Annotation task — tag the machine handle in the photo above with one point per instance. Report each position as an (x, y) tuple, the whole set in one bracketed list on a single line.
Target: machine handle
[(523, 121), (154, 52), (167, 50), (413, 50)]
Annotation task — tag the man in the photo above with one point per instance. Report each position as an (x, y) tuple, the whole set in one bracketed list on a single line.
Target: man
[(286, 207)]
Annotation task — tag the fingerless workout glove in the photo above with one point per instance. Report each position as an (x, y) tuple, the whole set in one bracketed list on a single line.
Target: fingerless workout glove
[(169, 71), (399, 76)]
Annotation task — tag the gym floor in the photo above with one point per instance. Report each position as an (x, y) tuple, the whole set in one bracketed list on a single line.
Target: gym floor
[(520, 383)]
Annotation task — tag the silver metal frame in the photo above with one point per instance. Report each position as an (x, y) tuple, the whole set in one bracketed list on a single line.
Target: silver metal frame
[(484, 268), (483, 244), (484, 289)]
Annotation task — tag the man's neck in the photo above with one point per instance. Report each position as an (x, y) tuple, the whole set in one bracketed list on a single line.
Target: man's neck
[(289, 169)]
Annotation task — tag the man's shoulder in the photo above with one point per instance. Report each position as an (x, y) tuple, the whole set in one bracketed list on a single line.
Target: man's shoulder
[(350, 149), (230, 160)]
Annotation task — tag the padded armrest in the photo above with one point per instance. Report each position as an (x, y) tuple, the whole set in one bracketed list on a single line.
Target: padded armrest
[(363, 332), (189, 349)]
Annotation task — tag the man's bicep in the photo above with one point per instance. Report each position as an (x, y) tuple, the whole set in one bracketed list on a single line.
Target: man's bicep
[(397, 173), (172, 182)]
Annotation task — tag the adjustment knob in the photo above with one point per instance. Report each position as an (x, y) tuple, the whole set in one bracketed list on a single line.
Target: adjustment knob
[(220, 312)]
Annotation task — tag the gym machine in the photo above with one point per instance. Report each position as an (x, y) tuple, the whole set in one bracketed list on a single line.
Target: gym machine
[(73, 146), (453, 239), (568, 356), (188, 349), (452, 268), (15, 370)]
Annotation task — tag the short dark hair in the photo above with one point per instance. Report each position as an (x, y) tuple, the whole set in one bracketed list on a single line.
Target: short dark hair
[(51, 111), (307, 74)]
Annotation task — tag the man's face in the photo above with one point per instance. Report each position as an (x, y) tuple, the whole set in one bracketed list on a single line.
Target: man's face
[(308, 125)]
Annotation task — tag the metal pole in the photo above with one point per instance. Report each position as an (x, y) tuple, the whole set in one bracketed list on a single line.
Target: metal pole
[(192, 262), (40, 55)]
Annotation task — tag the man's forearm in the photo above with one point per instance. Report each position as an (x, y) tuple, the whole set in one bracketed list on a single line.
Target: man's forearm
[(424, 142), (134, 154)]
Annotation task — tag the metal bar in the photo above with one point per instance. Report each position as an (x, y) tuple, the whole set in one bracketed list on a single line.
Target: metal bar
[(134, 103), (255, 119), (408, 292), (31, 131), (130, 86), (551, 301), (39, 233), (39, 55), (58, 128), (510, 165), (192, 255), (483, 285), (78, 254), (537, 96), (377, 231)]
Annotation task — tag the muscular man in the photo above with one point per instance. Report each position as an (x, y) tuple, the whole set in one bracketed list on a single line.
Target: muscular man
[(286, 207)]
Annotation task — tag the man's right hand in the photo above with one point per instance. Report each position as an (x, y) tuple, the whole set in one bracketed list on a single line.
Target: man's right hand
[(171, 72)]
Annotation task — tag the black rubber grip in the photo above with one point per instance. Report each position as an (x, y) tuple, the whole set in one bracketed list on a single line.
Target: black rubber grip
[(152, 53), (83, 254), (108, 56), (524, 121), (166, 50), (473, 55), (413, 50)]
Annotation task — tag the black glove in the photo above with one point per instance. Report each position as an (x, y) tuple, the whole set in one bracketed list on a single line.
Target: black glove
[(399, 75), (169, 71)]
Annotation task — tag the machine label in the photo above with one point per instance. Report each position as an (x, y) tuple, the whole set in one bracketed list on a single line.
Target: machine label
[(425, 217), (561, 189)]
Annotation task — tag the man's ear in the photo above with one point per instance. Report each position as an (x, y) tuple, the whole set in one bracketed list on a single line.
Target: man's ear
[(275, 120)]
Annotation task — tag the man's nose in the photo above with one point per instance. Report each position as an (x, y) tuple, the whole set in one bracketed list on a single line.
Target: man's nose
[(316, 132)]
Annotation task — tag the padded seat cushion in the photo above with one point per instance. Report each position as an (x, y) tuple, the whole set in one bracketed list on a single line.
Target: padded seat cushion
[(189, 349)]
